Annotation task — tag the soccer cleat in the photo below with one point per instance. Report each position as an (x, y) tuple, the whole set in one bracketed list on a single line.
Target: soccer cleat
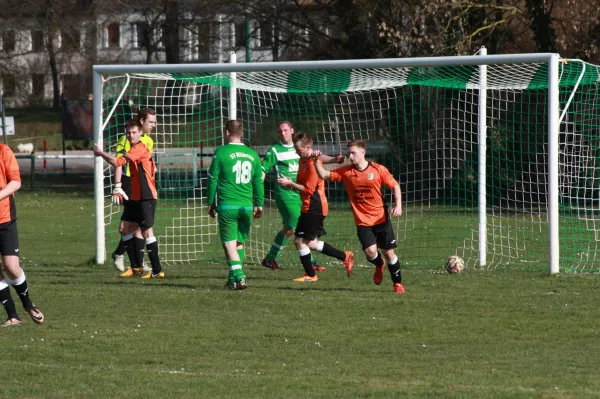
[(11, 322), (306, 279), (270, 264), (241, 285), (318, 268), (378, 275), (132, 272), (398, 288), (152, 275), (232, 285), (349, 262), (119, 261), (36, 315)]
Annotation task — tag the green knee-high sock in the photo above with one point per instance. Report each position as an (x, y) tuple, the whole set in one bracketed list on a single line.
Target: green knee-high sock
[(242, 254), (235, 267), (278, 244)]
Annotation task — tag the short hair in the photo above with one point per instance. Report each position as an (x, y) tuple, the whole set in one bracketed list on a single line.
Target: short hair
[(133, 123), (358, 143), (303, 138), (234, 127), (144, 112), (279, 123)]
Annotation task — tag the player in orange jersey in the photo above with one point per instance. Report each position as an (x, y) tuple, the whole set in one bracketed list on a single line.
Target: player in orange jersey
[(10, 182), (313, 212), (363, 181)]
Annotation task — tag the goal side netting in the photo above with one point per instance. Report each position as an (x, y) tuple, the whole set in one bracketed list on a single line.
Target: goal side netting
[(424, 123)]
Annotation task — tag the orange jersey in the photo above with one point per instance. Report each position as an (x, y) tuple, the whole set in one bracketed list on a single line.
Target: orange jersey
[(141, 166), (9, 172), (364, 190), (313, 197)]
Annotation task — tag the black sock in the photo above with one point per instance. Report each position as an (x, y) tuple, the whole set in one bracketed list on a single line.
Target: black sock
[(152, 250), (395, 272), (333, 252), (130, 249), (8, 303), (139, 244), (121, 248), (378, 261), (23, 294), (307, 265)]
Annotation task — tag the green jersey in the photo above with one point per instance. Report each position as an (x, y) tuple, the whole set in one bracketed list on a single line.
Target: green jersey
[(285, 160), (235, 177)]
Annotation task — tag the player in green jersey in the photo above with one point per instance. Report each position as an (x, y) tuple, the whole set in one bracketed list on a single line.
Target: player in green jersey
[(282, 157), (235, 177)]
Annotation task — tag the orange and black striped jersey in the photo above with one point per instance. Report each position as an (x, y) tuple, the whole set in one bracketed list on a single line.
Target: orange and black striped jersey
[(142, 168), (313, 196), (364, 190), (9, 171)]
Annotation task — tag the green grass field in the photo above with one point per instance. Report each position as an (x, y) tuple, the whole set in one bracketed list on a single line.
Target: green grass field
[(477, 334)]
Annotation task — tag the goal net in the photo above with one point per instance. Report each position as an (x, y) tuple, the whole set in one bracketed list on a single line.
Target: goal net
[(426, 123)]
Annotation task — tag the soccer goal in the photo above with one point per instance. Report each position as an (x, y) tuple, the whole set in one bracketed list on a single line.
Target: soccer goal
[(497, 155)]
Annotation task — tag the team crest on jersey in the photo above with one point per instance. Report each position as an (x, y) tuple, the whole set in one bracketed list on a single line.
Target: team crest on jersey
[(370, 176)]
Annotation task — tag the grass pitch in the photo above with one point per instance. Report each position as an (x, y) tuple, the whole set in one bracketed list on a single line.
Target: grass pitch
[(477, 334)]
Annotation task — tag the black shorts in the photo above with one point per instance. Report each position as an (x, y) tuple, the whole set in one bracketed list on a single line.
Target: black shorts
[(9, 238), (310, 226), (381, 234), (140, 212)]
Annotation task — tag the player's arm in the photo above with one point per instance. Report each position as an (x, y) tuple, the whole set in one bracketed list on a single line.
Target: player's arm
[(213, 181), (397, 211), (339, 159), (390, 182), (268, 162), (13, 176), (258, 186), (321, 171), (286, 182), (107, 157)]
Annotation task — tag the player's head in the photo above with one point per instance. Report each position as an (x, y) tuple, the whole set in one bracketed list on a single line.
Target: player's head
[(147, 117), (133, 129), (286, 131), (234, 129), (356, 151), (303, 144)]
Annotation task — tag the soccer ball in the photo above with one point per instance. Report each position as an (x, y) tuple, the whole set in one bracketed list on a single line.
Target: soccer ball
[(455, 264)]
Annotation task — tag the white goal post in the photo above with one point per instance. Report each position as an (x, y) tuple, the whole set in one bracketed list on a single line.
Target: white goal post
[(253, 92)]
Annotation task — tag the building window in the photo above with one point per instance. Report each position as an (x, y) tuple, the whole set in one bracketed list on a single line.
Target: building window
[(37, 41), (37, 85), (72, 85), (266, 34), (69, 38), (141, 34), (9, 41), (114, 35), (240, 34), (9, 85)]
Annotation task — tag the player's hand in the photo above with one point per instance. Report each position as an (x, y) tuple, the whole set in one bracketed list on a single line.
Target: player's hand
[(316, 154), (339, 158), (397, 211), (118, 195), (284, 182), (258, 212), (97, 150), (212, 211)]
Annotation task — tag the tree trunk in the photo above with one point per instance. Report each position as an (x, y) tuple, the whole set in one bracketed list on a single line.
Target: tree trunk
[(541, 25), (171, 34)]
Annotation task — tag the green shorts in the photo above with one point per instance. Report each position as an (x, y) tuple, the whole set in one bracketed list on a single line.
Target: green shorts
[(234, 224), (289, 209)]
